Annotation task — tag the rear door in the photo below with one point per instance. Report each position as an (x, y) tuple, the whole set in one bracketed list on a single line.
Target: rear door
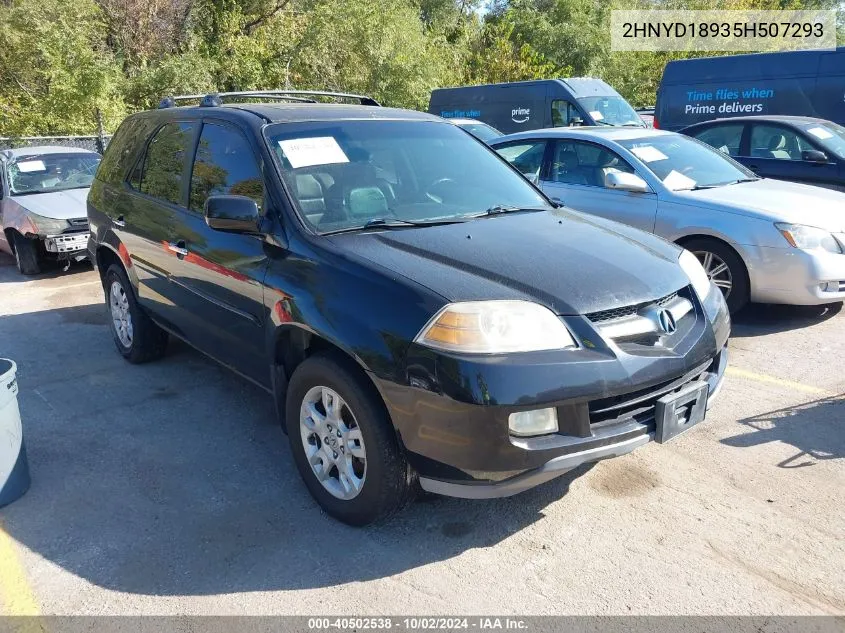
[(577, 174), (219, 281), (777, 151)]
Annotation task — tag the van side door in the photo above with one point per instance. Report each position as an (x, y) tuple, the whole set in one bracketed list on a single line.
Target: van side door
[(220, 274)]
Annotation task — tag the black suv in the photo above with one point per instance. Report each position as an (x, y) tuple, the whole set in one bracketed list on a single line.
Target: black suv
[(421, 313)]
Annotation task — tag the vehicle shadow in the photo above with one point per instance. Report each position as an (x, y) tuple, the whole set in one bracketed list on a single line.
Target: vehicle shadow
[(813, 428), (9, 271), (174, 478), (760, 319)]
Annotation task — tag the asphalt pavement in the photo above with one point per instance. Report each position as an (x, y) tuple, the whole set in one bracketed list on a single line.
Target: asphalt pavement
[(168, 488)]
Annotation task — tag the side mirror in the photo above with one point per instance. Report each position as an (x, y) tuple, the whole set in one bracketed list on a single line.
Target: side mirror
[(234, 214), (814, 156), (625, 181), (576, 121)]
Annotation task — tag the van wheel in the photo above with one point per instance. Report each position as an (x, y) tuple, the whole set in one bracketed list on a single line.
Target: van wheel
[(724, 268), (26, 255), (136, 336), (344, 444)]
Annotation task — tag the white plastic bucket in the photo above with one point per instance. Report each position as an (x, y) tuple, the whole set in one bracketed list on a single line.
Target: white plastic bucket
[(14, 469)]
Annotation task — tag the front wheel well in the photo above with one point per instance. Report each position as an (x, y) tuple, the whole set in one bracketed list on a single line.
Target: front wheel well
[(742, 286), (105, 258)]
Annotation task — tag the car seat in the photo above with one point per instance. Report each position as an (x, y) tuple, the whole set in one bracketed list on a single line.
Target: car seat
[(309, 192), (777, 147)]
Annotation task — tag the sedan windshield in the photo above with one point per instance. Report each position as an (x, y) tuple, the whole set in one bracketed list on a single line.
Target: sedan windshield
[(829, 135), (683, 163), (611, 111), (348, 175), (44, 173)]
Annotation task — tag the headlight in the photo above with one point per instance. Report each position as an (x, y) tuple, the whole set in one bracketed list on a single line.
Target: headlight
[(48, 226), (808, 238), (696, 274), (495, 327)]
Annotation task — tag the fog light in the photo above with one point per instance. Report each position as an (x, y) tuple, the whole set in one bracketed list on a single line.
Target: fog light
[(830, 286), (535, 422)]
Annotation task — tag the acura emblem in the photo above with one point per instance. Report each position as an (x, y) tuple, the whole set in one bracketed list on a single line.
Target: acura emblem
[(666, 321)]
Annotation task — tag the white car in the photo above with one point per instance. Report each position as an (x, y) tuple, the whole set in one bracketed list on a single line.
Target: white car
[(759, 239), (43, 192)]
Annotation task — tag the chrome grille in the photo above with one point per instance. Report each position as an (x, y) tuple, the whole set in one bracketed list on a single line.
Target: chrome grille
[(619, 313)]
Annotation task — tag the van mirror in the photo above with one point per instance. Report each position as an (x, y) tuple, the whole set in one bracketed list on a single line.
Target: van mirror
[(234, 214), (814, 156), (625, 181)]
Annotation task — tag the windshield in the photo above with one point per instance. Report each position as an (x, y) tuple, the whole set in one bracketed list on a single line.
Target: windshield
[(611, 111), (43, 173), (346, 174), (683, 163), (481, 131), (831, 136)]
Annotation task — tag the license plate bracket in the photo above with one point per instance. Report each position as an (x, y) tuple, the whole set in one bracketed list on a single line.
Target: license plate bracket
[(674, 413)]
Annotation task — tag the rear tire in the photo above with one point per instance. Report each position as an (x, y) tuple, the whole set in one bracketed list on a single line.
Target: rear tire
[(136, 336), (359, 473), (27, 256), (724, 268)]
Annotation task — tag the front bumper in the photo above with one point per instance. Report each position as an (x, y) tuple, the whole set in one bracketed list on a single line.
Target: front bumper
[(67, 244), (796, 277)]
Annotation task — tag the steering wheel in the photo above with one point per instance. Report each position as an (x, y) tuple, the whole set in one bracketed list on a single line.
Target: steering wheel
[(440, 181)]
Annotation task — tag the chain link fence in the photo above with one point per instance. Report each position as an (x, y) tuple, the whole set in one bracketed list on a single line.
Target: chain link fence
[(92, 143)]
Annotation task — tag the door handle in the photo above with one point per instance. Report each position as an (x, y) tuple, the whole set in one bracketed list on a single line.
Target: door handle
[(179, 248), (119, 222), (753, 167)]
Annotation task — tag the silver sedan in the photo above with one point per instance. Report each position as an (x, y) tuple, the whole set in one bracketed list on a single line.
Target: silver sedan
[(758, 239)]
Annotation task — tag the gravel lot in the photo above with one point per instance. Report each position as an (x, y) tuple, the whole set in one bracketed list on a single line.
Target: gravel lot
[(168, 488)]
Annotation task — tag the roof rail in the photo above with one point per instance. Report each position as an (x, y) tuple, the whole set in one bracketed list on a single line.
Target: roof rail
[(304, 96)]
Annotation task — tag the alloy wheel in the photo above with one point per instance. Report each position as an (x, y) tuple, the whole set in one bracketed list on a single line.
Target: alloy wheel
[(120, 314), (717, 271), (333, 443)]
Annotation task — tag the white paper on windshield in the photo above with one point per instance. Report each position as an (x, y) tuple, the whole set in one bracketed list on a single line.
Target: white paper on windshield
[(29, 166), (676, 181), (820, 132), (320, 150), (648, 153), (597, 116)]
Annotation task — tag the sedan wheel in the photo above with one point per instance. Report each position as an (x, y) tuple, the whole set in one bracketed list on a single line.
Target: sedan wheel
[(120, 314), (333, 443), (717, 271)]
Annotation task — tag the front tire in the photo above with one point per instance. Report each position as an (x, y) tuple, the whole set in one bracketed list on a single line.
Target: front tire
[(136, 336), (27, 256), (344, 444), (725, 269)]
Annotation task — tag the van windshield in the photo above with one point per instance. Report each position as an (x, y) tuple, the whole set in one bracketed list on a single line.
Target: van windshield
[(831, 136), (45, 173), (347, 175), (682, 163), (611, 110)]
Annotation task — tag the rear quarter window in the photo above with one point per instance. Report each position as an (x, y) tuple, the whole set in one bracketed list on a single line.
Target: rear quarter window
[(123, 149)]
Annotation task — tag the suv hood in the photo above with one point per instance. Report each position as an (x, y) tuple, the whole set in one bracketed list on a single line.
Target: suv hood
[(776, 200), (570, 262), (62, 205)]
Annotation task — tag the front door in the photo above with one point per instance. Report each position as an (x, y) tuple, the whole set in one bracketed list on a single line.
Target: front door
[(576, 176), (779, 152)]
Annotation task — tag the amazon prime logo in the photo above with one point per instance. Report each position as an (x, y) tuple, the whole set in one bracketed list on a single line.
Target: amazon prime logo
[(520, 115)]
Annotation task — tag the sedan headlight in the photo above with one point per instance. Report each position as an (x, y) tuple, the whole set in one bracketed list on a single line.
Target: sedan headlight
[(48, 226), (696, 274), (495, 327), (808, 238)]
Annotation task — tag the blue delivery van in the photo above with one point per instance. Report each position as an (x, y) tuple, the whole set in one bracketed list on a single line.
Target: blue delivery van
[(541, 103), (800, 83)]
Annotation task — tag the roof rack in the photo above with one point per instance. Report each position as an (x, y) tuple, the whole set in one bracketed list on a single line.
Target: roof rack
[(302, 96)]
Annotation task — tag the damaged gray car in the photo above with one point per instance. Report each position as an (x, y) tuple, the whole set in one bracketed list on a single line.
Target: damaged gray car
[(42, 204)]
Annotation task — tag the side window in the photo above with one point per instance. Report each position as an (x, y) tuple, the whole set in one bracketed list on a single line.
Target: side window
[(164, 163), (526, 156), (771, 141), (562, 113), (725, 138), (225, 164), (577, 163)]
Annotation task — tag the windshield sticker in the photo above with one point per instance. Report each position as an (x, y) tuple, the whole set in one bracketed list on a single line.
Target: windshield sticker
[(820, 132), (306, 152), (676, 181), (29, 166), (648, 153), (597, 116)]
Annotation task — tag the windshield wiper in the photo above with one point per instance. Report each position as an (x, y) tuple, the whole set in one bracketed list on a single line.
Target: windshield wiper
[(395, 223), (506, 208)]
